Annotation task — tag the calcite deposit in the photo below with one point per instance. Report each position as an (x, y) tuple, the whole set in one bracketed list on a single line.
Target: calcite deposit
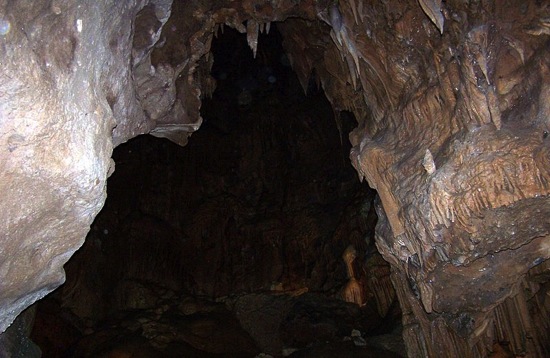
[(451, 103)]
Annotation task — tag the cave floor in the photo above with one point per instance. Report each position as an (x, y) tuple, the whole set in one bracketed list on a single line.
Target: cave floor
[(182, 326)]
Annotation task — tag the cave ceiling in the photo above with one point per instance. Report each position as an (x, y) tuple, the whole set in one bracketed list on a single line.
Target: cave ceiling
[(451, 100)]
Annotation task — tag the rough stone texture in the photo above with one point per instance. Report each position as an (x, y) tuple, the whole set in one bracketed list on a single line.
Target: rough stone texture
[(451, 100), (55, 141), (66, 86), (454, 139)]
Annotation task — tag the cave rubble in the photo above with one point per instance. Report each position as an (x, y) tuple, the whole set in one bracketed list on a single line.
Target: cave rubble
[(453, 121)]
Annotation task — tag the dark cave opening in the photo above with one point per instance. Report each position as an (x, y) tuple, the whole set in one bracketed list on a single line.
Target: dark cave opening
[(232, 245)]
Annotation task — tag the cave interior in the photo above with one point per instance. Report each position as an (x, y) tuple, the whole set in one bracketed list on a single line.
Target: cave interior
[(302, 178), (242, 232)]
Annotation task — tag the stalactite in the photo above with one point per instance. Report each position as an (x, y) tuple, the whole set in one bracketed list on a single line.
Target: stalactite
[(336, 20), (354, 10), (432, 8), (492, 102), (252, 32), (513, 325)]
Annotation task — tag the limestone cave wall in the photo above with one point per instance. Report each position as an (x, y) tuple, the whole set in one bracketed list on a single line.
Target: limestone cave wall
[(452, 110)]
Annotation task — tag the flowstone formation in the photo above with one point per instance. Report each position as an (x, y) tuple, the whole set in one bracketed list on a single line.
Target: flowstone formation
[(452, 110)]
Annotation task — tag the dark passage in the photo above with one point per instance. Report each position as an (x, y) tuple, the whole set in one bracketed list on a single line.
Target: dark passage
[(247, 241)]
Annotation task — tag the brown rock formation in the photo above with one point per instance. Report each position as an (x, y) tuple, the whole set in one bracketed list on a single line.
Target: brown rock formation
[(451, 100), (352, 291)]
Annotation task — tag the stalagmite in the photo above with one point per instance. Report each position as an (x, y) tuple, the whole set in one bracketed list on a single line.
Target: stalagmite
[(352, 292)]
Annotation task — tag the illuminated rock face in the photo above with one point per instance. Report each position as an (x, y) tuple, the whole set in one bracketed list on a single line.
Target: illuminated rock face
[(452, 110), (66, 95)]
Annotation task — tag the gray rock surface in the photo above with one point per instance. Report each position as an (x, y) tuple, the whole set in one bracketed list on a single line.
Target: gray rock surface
[(64, 81)]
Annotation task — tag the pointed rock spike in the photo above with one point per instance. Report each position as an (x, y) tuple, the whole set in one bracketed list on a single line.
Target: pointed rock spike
[(352, 74), (354, 11), (252, 31), (337, 39), (335, 17), (432, 8), (351, 49)]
